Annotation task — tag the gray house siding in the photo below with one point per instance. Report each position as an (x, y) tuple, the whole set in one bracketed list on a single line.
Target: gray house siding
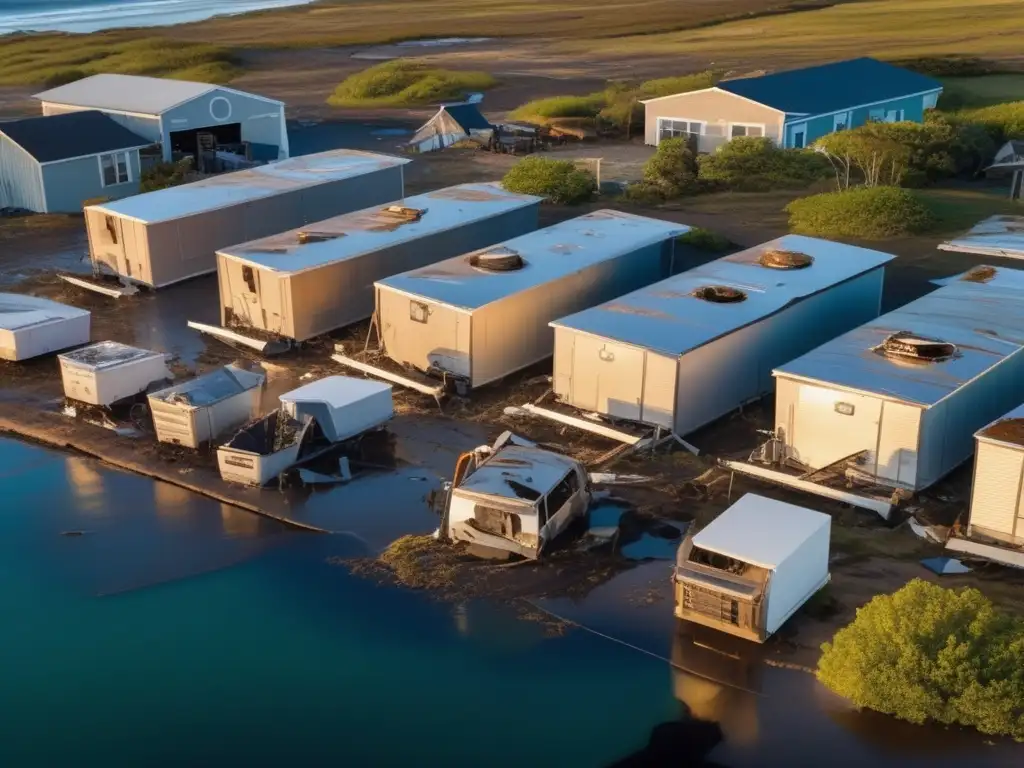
[(713, 113), (20, 183), (69, 183), (262, 122), (148, 127)]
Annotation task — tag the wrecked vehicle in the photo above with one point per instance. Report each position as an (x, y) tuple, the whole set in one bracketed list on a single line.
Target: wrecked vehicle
[(514, 499), (752, 567)]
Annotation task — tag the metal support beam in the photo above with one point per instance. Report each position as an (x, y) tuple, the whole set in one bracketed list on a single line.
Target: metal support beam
[(437, 391), (587, 425), (260, 345), (89, 285)]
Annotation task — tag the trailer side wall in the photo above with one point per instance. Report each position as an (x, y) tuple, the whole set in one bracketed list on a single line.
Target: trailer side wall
[(797, 578)]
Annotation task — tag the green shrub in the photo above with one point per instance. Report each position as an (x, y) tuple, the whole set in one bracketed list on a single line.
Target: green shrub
[(560, 106), (1003, 121), (163, 175), (706, 240), (667, 86), (951, 66), (560, 181), (672, 169), (756, 165), (405, 82), (928, 653), (865, 212)]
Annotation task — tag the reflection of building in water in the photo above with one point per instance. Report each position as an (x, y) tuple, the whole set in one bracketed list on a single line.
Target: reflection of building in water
[(239, 523), (718, 678), (171, 501), (86, 483), (461, 619)]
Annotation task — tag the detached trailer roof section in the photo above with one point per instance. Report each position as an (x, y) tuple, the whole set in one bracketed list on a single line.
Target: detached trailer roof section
[(159, 238), (994, 236), (31, 326), (304, 283), (484, 315), (906, 391), (688, 350), (997, 495)]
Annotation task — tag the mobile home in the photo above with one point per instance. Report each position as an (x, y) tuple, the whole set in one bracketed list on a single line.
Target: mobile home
[(306, 282), (196, 412), (688, 350), (342, 406), (997, 514), (751, 568), (483, 315), (898, 400), (31, 326), (163, 237), (108, 372)]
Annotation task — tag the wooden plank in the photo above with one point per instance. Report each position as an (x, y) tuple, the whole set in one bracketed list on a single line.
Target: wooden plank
[(435, 391)]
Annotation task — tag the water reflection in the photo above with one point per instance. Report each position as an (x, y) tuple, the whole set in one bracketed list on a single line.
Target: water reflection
[(240, 523), (86, 484)]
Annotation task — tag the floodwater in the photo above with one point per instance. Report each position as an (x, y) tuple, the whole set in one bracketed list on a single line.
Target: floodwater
[(174, 630)]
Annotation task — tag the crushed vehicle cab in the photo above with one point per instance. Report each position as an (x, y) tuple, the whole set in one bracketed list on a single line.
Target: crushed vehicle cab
[(515, 499)]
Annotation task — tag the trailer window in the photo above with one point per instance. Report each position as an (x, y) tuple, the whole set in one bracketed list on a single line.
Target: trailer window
[(111, 229), (250, 278), (718, 562), (418, 311), (562, 493)]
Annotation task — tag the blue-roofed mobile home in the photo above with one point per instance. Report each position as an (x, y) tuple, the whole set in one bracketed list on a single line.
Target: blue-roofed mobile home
[(793, 108)]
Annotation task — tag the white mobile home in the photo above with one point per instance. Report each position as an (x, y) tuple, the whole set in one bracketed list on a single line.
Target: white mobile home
[(31, 326), (196, 412), (1001, 236), (997, 511), (752, 567), (342, 406), (306, 282), (107, 372), (900, 398), (688, 350), (483, 315), (163, 237)]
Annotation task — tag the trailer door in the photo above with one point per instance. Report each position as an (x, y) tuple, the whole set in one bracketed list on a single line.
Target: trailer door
[(607, 377)]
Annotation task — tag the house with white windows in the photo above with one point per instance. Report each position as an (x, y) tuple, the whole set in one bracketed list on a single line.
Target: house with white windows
[(795, 107)]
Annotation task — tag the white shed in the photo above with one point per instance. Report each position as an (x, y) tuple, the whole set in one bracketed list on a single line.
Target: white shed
[(752, 567), (174, 113), (306, 282), (342, 406), (163, 237), (483, 315), (195, 413), (31, 326), (107, 372), (997, 511), (900, 398), (688, 350)]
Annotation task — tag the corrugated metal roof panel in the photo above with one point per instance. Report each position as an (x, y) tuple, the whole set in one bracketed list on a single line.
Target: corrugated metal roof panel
[(985, 321), (548, 254), (668, 317), (994, 236), (126, 93)]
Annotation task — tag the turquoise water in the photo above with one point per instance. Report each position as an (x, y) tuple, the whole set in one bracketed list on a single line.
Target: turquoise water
[(177, 632)]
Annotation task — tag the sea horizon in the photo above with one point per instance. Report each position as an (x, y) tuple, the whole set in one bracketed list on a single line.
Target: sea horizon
[(82, 16)]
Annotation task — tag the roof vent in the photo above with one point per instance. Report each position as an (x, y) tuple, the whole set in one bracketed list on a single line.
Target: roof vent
[(905, 345), (979, 274), (720, 294), (318, 237), (776, 258), (497, 259), (403, 213)]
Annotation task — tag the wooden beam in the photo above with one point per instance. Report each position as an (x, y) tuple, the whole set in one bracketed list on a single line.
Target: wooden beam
[(435, 391), (586, 424), (89, 285)]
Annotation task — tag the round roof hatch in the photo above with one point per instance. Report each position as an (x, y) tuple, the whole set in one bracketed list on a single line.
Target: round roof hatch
[(498, 259), (720, 294), (913, 347), (777, 258)]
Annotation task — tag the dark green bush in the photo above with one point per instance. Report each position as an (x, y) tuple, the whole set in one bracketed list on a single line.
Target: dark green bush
[(951, 66), (672, 169), (559, 181), (926, 653), (706, 240), (864, 212), (751, 164), (403, 82), (1003, 121), (163, 175)]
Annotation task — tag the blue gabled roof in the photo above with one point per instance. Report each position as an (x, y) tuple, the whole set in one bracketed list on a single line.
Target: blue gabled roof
[(831, 87), (468, 116)]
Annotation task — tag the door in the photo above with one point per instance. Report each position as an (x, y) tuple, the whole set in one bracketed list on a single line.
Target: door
[(659, 401), (607, 377), (830, 425), (896, 461), (798, 136), (559, 505), (996, 489)]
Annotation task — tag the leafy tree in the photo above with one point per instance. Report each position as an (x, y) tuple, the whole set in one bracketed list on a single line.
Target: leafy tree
[(756, 164), (560, 181), (928, 653), (870, 152), (672, 169)]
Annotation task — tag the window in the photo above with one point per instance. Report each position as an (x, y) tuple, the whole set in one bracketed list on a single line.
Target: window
[(798, 136), (561, 494), (111, 226), (418, 311), (250, 278), (740, 129), (877, 115), (841, 121), (894, 116), (930, 100), (674, 129), (115, 169)]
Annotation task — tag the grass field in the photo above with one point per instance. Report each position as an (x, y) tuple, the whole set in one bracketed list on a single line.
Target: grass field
[(986, 90), (404, 83)]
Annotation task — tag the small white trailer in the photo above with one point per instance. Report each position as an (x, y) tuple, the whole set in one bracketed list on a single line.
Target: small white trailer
[(262, 449), (195, 413), (751, 568), (518, 499), (31, 326), (480, 316), (108, 372), (342, 406)]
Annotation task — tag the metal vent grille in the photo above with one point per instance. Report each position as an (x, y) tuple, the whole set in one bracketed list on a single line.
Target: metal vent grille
[(497, 259), (905, 345), (782, 259)]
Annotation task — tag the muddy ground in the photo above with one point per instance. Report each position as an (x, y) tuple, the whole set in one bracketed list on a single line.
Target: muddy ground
[(869, 557)]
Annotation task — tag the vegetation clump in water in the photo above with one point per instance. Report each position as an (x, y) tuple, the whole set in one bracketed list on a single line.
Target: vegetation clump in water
[(421, 562), (929, 653)]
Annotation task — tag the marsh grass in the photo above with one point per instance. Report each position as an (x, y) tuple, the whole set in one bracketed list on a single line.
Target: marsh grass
[(406, 82)]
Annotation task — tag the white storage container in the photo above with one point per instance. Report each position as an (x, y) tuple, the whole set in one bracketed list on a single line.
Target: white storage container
[(342, 406), (750, 570), (104, 373), (196, 412), (31, 326)]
